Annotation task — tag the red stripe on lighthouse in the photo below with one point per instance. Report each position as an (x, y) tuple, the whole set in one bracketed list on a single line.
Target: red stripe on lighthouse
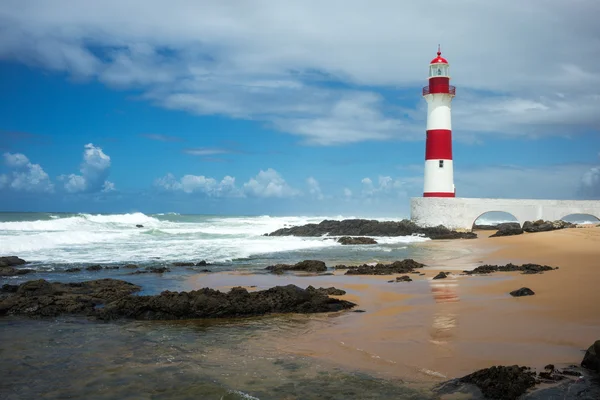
[(438, 145), (438, 194)]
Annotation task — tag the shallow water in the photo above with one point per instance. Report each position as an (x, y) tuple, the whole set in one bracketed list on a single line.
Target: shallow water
[(75, 358)]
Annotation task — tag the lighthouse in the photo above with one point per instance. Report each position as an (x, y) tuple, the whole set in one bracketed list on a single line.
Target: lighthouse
[(439, 174)]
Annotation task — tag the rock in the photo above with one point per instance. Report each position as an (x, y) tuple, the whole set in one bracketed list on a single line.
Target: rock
[(404, 278), (44, 299), (508, 229), (139, 226), (502, 382), (591, 360), (11, 261), (130, 266), (210, 303), (525, 268), (10, 271), (522, 292), (73, 270), (441, 275), (485, 227), (363, 227), (183, 264), (340, 266), (202, 263), (359, 311), (111, 267), (545, 226), (397, 267), (152, 270), (6, 288), (94, 268), (306, 266), (205, 270), (328, 291), (346, 240)]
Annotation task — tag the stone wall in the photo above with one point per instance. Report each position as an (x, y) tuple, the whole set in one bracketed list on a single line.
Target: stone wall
[(461, 213)]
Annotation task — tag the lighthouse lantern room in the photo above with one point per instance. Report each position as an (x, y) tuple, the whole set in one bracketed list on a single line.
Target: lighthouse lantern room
[(439, 174)]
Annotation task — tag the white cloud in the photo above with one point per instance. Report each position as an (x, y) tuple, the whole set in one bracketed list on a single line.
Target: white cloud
[(347, 193), (24, 176), (199, 184), (94, 171), (206, 151), (267, 61), (314, 188), (269, 183)]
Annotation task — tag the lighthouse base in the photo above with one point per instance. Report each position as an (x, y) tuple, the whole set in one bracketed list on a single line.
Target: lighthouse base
[(461, 213)]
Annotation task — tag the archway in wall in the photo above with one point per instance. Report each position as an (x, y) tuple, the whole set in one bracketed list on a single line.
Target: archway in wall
[(581, 219), (491, 219)]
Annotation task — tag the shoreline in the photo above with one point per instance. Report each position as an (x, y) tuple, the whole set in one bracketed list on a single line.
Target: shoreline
[(427, 331)]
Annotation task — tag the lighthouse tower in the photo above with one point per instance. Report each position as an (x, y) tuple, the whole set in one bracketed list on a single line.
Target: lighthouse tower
[(439, 175)]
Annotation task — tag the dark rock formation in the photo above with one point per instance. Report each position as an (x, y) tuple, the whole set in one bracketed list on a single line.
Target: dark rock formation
[(545, 226), (524, 291), (94, 268), (397, 267), (441, 275), (485, 227), (139, 226), (591, 360), (508, 229), (111, 267), (356, 240), (500, 382), (11, 261), (404, 278), (183, 264), (202, 263), (306, 266), (10, 271), (209, 303), (73, 270), (327, 291), (525, 268), (364, 227), (44, 299), (130, 266), (152, 270)]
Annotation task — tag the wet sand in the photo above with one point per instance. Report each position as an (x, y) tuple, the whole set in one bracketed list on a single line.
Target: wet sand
[(429, 330)]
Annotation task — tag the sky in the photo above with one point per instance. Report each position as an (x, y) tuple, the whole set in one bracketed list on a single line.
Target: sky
[(293, 107)]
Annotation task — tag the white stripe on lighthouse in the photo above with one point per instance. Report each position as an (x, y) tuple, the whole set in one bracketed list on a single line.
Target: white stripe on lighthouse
[(438, 111), (439, 180)]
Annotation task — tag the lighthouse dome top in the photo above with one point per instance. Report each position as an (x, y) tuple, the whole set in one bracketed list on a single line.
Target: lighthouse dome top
[(439, 59)]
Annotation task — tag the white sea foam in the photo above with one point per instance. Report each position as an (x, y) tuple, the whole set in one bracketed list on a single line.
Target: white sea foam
[(115, 238)]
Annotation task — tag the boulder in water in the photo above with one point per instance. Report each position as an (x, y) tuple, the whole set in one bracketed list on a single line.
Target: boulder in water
[(305, 266), (139, 226), (349, 240), (183, 264), (397, 267), (441, 275), (591, 360), (11, 261), (524, 291)]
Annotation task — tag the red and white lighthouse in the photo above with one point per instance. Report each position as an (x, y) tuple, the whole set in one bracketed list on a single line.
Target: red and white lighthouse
[(439, 174)]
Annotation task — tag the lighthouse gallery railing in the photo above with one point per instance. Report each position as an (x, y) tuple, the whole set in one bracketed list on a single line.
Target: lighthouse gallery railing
[(440, 89)]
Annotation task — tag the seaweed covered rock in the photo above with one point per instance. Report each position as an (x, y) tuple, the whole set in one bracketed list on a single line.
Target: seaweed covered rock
[(365, 227), (41, 298), (591, 360), (508, 229), (305, 266), (349, 240), (525, 269), (502, 382), (327, 291), (209, 303), (397, 267)]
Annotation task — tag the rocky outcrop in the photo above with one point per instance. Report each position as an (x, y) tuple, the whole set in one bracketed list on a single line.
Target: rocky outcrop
[(364, 227), (591, 360), (11, 261), (525, 268), (403, 278), (477, 227), (109, 299), (356, 240), (500, 382), (327, 291), (209, 303), (397, 267), (305, 266), (545, 226), (44, 299), (94, 268), (183, 264), (441, 275), (524, 291), (151, 270), (73, 270), (508, 229)]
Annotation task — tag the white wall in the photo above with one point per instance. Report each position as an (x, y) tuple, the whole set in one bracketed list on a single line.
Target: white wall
[(461, 213)]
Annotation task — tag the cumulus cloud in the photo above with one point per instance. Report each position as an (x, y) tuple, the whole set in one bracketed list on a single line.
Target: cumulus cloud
[(161, 138), (261, 62), (269, 183), (94, 173), (386, 185), (199, 184), (24, 175)]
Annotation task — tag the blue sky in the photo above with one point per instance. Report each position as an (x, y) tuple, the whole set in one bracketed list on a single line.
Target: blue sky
[(297, 108)]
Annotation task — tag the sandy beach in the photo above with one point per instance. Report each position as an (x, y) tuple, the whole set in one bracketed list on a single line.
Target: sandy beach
[(429, 330)]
